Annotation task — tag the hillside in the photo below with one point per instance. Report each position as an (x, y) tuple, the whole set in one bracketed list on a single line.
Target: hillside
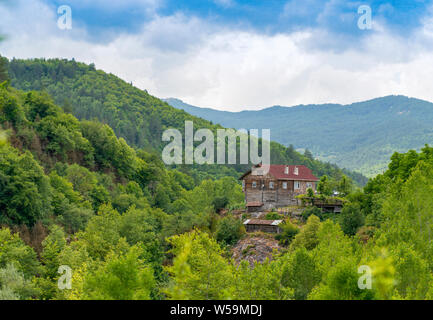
[(361, 136), (134, 114)]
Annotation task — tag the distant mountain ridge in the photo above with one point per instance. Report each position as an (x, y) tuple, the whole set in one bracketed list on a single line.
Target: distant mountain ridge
[(135, 115), (360, 136)]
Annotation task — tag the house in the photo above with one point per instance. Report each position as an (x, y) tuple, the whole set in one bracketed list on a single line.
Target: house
[(278, 187), (254, 225)]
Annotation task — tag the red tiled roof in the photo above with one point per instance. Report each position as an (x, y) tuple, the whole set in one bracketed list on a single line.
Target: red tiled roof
[(304, 173), (278, 171)]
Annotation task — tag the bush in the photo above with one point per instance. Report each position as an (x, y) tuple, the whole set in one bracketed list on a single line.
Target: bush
[(351, 219), (273, 216), (220, 203), (229, 230), (312, 211), (289, 231)]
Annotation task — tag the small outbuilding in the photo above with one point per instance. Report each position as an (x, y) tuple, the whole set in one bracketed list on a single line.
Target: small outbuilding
[(270, 226)]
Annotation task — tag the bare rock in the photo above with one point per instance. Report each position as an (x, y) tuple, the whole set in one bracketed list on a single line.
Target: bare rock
[(255, 248)]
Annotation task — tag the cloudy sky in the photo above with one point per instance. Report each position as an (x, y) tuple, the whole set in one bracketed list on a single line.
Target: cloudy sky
[(237, 54)]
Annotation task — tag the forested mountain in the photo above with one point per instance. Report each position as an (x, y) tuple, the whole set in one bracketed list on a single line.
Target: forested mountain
[(74, 195), (135, 115), (360, 136), (61, 176)]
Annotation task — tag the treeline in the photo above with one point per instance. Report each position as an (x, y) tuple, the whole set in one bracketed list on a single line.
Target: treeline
[(135, 115)]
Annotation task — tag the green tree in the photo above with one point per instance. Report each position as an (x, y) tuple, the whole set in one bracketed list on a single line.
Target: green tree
[(25, 191), (229, 230), (14, 250), (120, 277), (220, 203), (14, 286), (4, 76), (307, 238), (288, 233), (345, 186), (199, 271), (351, 218), (261, 281), (324, 186), (341, 284), (300, 273)]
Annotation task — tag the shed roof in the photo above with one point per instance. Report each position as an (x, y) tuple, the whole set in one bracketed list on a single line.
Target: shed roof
[(263, 222)]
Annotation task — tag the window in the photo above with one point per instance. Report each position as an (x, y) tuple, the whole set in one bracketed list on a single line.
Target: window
[(254, 184), (284, 185), (271, 185), (309, 185), (296, 171), (297, 185), (286, 170)]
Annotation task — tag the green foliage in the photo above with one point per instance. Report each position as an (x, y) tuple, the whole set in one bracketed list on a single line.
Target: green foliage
[(229, 230), (199, 271), (130, 228), (220, 203), (13, 285), (121, 277), (14, 250), (324, 186), (307, 238), (351, 219), (4, 76), (345, 186), (133, 114), (301, 273), (262, 281), (341, 284), (289, 231), (309, 211), (52, 245), (342, 134), (273, 216), (25, 191)]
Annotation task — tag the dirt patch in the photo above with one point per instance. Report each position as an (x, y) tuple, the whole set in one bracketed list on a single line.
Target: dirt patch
[(255, 248)]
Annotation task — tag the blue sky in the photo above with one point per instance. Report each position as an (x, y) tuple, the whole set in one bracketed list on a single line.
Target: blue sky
[(265, 16), (237, 54)]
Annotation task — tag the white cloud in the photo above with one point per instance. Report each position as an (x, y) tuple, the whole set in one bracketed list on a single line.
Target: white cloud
[(225, 3), (207, 65), (149, 6)]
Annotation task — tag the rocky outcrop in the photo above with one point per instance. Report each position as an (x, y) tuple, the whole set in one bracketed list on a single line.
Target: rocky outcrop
[(255, 248)]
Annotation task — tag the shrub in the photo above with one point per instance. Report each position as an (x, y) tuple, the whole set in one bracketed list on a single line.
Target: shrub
[(289, 231), (229, 230), (312, 211), (273, 216), (220, 203), (351, 219)]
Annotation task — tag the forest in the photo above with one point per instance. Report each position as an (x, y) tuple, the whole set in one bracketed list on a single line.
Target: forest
[(135, 115), (339, 133), (82, 185)]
